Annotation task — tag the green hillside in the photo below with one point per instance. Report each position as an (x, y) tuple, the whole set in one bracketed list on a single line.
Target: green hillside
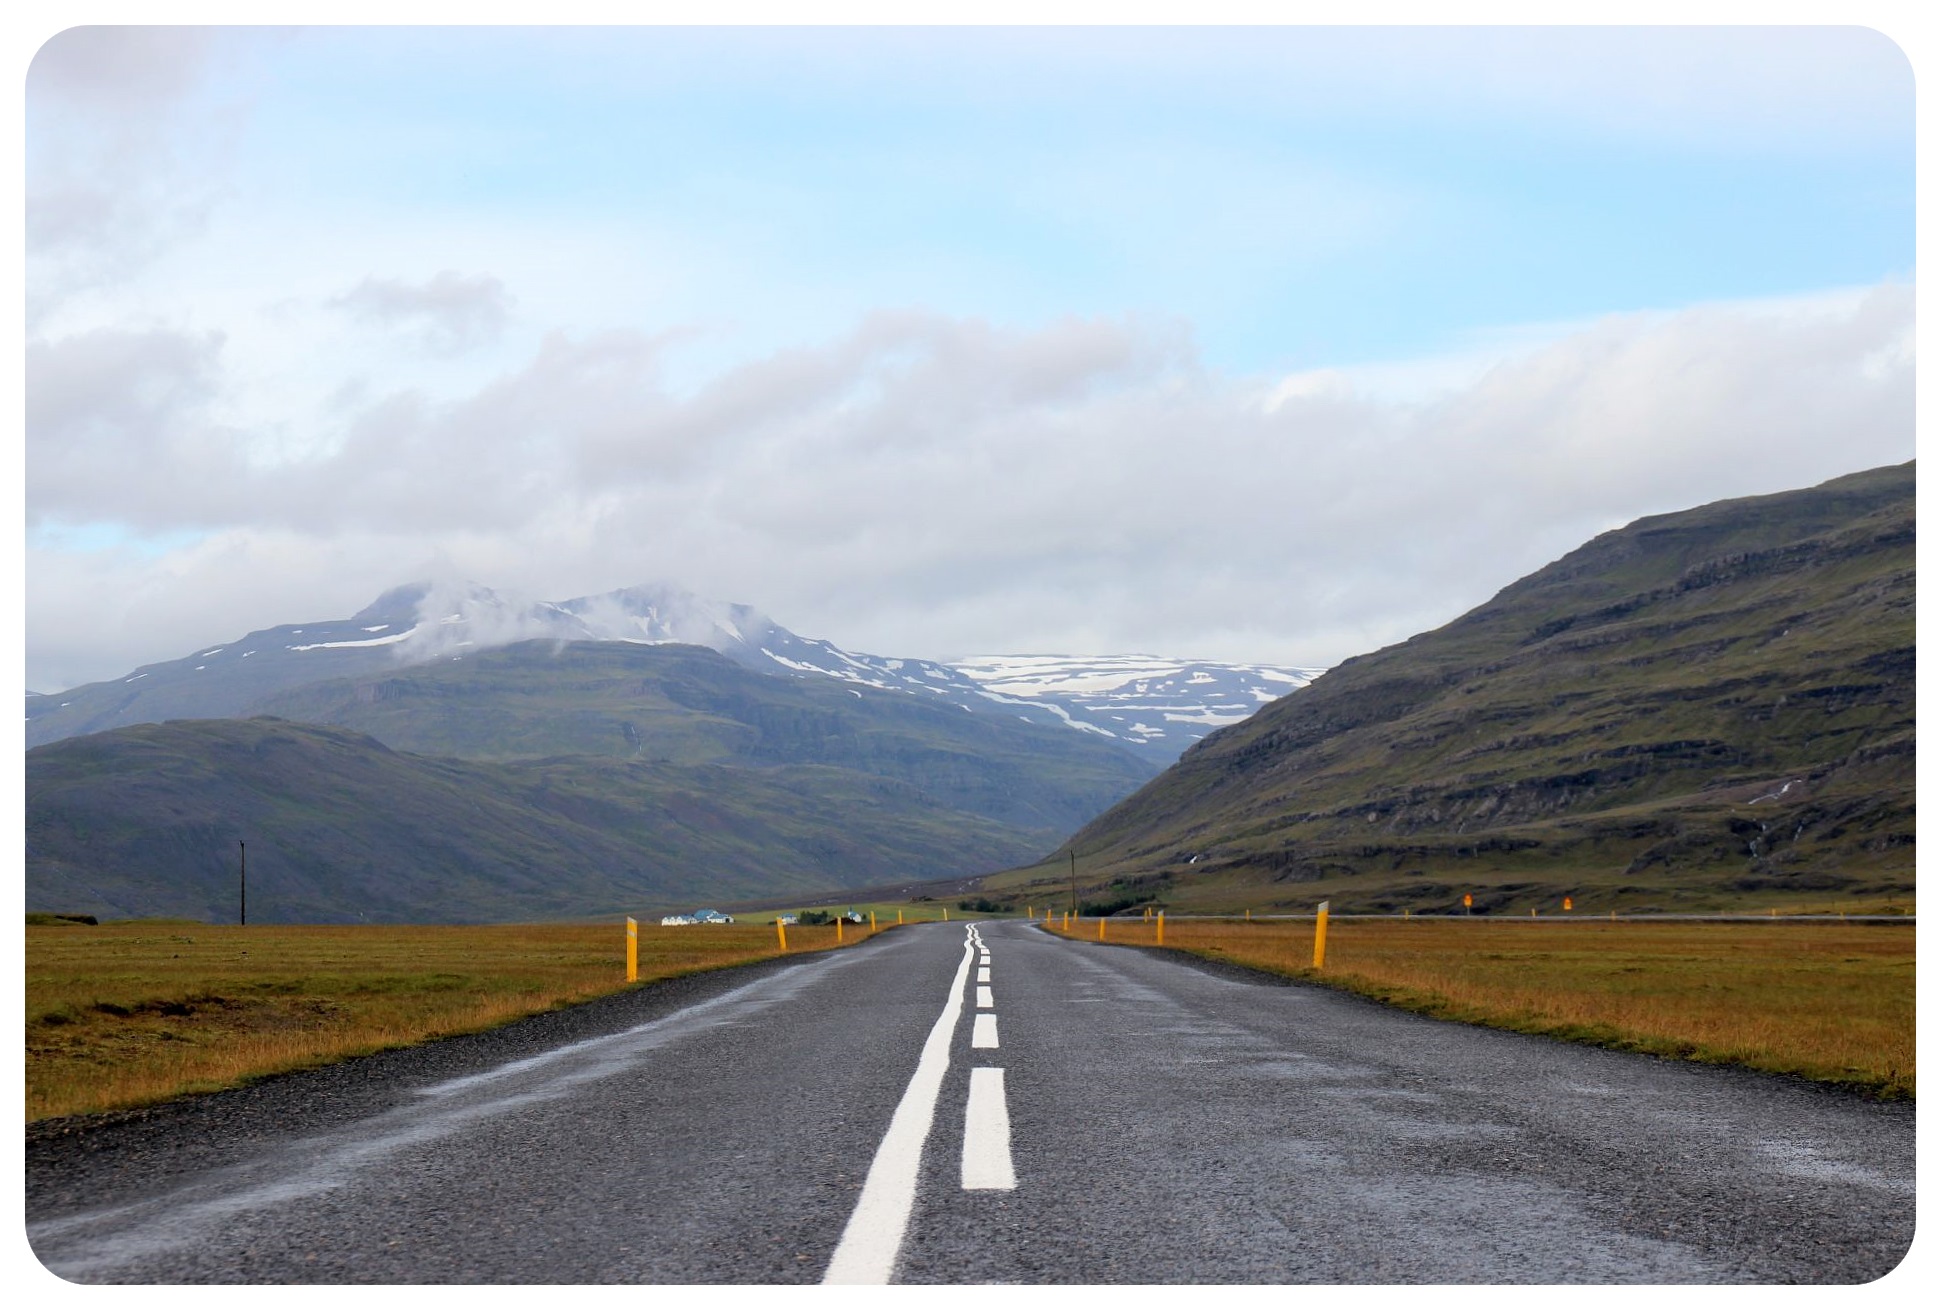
[(689, 705), (1704, 709), (145, 821)]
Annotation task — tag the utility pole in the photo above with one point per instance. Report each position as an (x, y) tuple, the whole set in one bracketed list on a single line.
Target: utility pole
[(242, 886), (1073, 852)]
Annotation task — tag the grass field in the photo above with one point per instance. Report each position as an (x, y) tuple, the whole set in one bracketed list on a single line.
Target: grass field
[(126, 1014), (1832, 1002)]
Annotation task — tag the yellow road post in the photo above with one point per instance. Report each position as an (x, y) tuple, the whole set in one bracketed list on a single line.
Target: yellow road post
[(872, 921), (899, 918), (1320, 934), (1159, 938), (781, 934), (1250, 916), (946, 914), (1101, 927), (633, 951), (838, 930)]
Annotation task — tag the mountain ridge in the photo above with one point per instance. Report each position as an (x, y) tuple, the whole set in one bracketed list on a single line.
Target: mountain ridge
[(1154, 708), (1607, 726)]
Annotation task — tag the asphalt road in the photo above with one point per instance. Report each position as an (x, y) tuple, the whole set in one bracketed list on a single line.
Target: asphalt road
[(838, 1117)]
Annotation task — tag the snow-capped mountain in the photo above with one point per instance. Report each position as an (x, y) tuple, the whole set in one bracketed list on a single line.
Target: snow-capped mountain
[(1152, 706), (1145, 700)]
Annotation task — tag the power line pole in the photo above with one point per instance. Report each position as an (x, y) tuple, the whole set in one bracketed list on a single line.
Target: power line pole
[(242, 886), (1073, 852)]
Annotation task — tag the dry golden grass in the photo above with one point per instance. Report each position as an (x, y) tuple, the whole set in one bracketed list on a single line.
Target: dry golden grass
[(127, 1014), (1828, 1001)]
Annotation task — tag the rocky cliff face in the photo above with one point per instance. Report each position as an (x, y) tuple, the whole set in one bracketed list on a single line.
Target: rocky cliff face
[(1695, 708)]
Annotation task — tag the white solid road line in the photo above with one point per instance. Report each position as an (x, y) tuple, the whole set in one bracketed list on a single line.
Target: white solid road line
[(984, 1001), (987, 1135), (984, 1032), (867, 1252)]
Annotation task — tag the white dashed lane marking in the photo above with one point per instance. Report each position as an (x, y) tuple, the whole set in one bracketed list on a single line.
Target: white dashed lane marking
[(987, 1135), (984, 1032), (984, 1001)]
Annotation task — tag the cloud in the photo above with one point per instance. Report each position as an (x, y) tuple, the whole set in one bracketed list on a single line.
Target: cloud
[(449, 313), (934, 486), (119, 428), (125, 153)]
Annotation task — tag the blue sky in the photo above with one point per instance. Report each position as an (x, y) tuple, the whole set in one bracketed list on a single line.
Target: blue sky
[(1175, 174), (835, 321)]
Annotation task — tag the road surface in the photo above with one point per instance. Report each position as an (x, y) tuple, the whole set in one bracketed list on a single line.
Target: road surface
[(986, 1104)]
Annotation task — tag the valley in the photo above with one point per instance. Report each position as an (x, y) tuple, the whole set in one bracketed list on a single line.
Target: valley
[(1704, 710)]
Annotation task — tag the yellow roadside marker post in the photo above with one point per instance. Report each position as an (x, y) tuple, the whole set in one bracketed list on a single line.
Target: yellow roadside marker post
[(1566, 905), (839, 930), (1101, 927), (633, 951), (872, 921), (899, 918), (1320, 934), (1466, 899), (946, 914), (1250, 916), (1160, 939), (1533, 911), (781, 934)]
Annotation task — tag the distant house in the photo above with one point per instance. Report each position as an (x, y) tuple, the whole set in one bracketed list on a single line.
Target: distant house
[(699, 916), (785, 919)]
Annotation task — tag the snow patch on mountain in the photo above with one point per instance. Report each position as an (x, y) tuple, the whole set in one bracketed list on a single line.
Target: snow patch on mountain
[(1152, 705)]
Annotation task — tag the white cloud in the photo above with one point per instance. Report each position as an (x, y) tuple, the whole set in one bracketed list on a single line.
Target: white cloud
[(125, 153), (930, 486)]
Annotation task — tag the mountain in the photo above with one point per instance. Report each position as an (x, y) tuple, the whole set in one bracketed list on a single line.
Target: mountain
[(688, 705), (1150, 704), (1152, 707), (145, 821), (1706, 708)]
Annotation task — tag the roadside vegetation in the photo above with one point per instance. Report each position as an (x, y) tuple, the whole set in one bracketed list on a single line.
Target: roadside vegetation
[(1833, 1002), (126, 1014)]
